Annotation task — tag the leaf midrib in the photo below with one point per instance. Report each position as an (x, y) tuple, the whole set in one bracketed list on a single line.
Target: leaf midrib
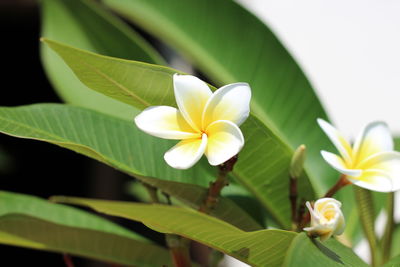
[(111, 80)]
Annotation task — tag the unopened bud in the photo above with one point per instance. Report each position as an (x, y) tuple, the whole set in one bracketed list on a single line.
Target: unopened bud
[(297, 163)]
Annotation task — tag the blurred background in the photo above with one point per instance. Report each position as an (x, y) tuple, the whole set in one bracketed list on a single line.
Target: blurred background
[(350, 52), (348, 49)]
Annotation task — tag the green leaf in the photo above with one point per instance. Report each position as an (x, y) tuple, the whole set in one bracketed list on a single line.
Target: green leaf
[(395, 262), (114, 141), (194, 195), (58, 124), (310, 252), (265, 159), (258, 248), (31, 222), (229, 44), (84, 24)]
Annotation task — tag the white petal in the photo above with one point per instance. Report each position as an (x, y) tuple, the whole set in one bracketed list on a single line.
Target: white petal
[(337, 163), (314, 216), (164, 122), (373, 180), (381, 172), (230, 102), (191, 96), (186, 153), (341, 225), (225, 140), (374, 138), (337, 139), (327, 201)]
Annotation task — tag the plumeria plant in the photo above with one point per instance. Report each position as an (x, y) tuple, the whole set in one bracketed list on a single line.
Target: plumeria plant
[(266, 192)]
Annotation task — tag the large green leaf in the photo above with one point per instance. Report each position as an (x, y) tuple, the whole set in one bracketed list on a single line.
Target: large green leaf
[(264, 161), (31, 222), (194, 195), (114, 141), (258, 248), (138, 156), (229, 44), (310, 252), (84, 24)]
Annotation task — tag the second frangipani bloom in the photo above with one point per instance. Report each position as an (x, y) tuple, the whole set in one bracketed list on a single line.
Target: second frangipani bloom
[(326, 218), (206, 122), (371, 162)]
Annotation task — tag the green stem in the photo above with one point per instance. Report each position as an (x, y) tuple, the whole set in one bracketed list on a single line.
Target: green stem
[(386, 242), (366, 212)]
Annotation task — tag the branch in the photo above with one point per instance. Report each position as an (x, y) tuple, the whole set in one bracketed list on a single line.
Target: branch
[(216, 187)]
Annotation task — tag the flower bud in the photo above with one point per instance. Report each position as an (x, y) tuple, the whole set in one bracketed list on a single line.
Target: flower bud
[(326, 218), (296, 165)]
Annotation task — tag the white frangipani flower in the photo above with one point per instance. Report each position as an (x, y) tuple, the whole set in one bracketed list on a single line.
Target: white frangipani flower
[(326, 218), (371, 162), (206, 122)]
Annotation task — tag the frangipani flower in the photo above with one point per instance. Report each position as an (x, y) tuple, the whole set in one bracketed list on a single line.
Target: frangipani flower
[(206, 122), (326, 218), (371, 162)]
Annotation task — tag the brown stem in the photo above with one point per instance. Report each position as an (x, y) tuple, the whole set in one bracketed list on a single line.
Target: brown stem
[(342, 182), (179, 251), (68, 260), (215, 188), (200, 252), (302, 218), (293, 198)]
